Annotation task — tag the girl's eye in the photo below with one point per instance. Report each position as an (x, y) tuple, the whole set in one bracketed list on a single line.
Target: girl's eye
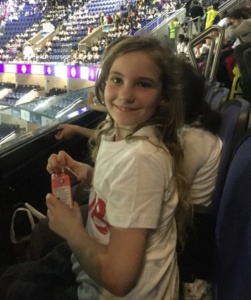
[(116, 80), (145, 84)]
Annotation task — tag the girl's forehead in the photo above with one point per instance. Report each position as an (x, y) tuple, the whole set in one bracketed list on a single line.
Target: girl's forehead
[(138, 63), (137, 53)]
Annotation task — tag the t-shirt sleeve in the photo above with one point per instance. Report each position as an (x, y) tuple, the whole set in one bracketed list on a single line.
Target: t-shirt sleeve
[(138, 190)]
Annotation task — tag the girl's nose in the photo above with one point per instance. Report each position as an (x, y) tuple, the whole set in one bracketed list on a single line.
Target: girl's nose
[(127, 94)]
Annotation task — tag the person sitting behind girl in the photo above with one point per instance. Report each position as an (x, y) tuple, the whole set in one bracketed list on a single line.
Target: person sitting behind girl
[(202, 153), (138, 196), (201, 144)]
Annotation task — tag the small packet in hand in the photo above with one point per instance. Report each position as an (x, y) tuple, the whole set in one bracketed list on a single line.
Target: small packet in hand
[(61, 187)]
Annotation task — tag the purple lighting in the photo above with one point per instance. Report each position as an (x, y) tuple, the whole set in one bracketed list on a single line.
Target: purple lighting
[(92, 74), (23, 69), (49, 70), (73, 72)]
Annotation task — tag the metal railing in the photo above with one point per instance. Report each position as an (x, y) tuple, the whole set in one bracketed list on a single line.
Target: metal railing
[(213, 58), (232, 4), (194, 27), (154, 23)]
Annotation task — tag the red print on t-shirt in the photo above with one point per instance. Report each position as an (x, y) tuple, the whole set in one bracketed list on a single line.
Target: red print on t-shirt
[(97, 209)]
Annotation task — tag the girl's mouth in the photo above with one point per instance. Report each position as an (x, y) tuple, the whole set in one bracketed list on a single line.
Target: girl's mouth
[(122, 108)]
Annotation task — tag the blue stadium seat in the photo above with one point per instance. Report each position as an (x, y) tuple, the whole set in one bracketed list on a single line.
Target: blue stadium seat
[(232, 260), (211, 89), (219, 97), (235, 118)]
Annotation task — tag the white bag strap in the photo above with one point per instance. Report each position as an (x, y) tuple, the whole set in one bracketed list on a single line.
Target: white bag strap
[(12, 232), (34, 211)]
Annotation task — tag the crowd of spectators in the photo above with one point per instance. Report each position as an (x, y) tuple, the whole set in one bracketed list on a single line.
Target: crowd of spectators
[(73, 22)]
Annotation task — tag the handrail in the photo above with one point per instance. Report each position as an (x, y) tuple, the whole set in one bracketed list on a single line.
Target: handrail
[(190, 25), (213, 56), (175, 14), (155, 22), (231, 4)]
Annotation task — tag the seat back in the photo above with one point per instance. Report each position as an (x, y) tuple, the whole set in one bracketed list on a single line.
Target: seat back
[(210, 90), (219, 98), (235, 117), (232, 257)]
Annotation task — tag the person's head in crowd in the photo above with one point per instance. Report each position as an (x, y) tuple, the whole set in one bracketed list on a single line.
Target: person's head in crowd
[(224, 14), (198, 112), (186, 40), (238, 15), (166, 111), (216, 5), (181, 38)]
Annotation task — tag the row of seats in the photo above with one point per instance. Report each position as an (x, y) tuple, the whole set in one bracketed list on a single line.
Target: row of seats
[(219, 248)]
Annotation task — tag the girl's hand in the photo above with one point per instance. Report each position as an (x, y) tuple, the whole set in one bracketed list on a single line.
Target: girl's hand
[(62, 160), (90, 99), (63, 220), (66, 131)]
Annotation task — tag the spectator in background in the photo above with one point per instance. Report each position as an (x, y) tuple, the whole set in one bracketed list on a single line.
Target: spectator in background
[(212, 16), (187, 7), (172, 26), (196, 10), (186, 41), (202, 154), (180, 44), (241, 29)]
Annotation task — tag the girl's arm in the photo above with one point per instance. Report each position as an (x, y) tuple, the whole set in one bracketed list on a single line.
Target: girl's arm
[(68, 131), (91, 104), (116, 266)]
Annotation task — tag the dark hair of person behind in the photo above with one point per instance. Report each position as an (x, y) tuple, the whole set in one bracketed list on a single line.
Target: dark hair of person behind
[(216, 5), (240, 13), (198, 113)]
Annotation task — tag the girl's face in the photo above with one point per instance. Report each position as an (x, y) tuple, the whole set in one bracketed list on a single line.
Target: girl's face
[(133, 89)]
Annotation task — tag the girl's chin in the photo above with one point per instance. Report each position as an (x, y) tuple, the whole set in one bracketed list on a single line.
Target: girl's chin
[(125, 126)]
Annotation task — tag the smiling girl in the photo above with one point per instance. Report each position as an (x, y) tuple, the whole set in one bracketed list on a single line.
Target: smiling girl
[(138, 196)]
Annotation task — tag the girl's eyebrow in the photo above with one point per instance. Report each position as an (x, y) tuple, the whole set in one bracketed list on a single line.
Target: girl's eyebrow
[(115, 73), (139, 78)]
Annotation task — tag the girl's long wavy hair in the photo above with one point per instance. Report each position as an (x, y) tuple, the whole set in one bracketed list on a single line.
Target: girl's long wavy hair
[(168, 117)]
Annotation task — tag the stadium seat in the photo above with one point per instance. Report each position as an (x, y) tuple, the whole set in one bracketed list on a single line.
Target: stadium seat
[(235, 118), (220, 97), (211, 89), (232, 260)]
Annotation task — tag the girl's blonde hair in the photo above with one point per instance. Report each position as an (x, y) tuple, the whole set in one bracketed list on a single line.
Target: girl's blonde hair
[(168, 117)]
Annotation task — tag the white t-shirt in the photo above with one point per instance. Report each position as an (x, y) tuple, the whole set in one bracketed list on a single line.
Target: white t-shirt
[(134, 187), (180, 47), (202, 153)]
